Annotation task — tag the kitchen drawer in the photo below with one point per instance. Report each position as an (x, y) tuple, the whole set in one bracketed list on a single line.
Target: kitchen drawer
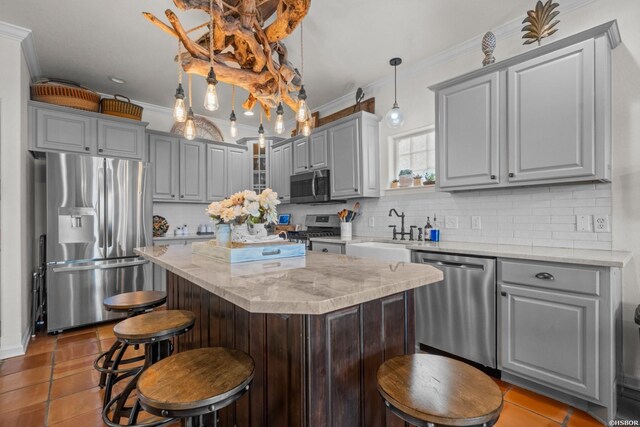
[(584, 280), (332, 248)]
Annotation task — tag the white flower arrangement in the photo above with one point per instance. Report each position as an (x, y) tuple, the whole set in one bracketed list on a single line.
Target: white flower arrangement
[(246, 205)]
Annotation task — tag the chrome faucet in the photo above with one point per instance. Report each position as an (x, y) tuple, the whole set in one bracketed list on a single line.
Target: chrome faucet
[(402, 233)]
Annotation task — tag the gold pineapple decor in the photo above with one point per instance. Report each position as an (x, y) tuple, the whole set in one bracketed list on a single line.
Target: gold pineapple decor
[(540, 23)]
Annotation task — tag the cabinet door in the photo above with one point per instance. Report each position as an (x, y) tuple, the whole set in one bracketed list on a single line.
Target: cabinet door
[(121, 140), (237, 170), (318, 155), (551, 337), (468, 133), (192, 171), (301, 155), (164, 156), (216, 172), (551, 115), (286, 171), (275, 171), (344, 152), (59, 131)]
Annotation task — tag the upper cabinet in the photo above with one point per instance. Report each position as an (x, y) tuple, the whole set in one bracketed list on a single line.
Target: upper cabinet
[(280, 170), (164, 156), (300, 154), (237, 172), (62, 129), (216, 172), (310, 152), (542, 117), (192, 170)]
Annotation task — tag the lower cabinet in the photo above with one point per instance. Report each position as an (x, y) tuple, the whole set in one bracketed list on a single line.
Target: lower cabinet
[(331, 248)]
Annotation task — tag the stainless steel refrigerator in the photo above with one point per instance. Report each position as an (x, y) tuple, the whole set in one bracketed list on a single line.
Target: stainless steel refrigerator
[(98, 211)]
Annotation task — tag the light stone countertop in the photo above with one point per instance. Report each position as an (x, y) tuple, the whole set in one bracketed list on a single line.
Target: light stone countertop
[(534, 253), (184, 237), (316, 284)]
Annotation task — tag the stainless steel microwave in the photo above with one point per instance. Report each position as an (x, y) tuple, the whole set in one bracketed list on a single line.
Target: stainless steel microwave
[(311, 187)]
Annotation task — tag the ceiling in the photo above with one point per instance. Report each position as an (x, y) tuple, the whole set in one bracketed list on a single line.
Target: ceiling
[(346, 43)]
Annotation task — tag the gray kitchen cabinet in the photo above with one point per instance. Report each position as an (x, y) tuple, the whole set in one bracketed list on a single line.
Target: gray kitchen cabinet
[(164, 156), (300, 155), (539, 118), (122, 140), (216, 172), (568, 326), (237, 170), (280, 170), (318, 151), (468, 133), (192, 171), (62, 131), (354, 156), (328, 248)]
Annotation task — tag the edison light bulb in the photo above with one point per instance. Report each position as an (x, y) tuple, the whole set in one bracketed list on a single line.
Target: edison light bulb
[(179, 109), (279, 127), (190, 126), (303, 111), (211, 98), (306, 128), (261, 140), (233, 129)]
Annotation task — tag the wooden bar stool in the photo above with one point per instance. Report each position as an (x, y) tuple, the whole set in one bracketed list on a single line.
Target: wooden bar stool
[(108, 363), (195, 384), (427, 390), (153, 330)]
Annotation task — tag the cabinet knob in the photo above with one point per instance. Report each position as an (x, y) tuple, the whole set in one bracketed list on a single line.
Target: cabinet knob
[(493, 177), (281, 197), (173, 196), (86, 148), (100, 150), (355, 189), (511, 174), (503, 293), (325, 250), (181, 196)]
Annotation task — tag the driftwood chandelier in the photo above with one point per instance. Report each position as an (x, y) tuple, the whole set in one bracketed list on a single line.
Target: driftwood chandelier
[(240, 48)]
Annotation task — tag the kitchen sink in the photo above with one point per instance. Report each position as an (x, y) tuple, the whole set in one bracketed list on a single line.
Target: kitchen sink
[(380, 250)]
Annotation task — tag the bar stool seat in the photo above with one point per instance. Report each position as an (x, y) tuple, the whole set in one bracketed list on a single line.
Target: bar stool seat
[(135, 301), (153, 330), (195, 383), (429, 390)]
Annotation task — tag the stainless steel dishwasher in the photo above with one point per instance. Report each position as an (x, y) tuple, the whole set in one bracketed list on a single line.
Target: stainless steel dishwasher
[(458, 314)]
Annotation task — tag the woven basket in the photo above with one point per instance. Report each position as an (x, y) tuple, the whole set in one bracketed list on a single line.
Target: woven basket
[(116, 107), (68, 94)]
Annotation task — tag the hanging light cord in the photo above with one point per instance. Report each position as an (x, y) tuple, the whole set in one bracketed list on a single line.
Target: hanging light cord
[(190, 91), (211, 33), (179, 62), (395, 85), (301, 51), (233, 97)]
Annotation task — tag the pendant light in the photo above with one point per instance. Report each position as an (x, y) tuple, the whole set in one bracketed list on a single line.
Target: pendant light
[(261, 140), (395, 117), (302, 113), (279, 126), (179, 109), (233, 128), (190, 125), (211, 96)]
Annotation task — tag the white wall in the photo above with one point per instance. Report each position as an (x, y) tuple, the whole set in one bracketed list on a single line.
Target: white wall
[(621, 198), (16, 211)]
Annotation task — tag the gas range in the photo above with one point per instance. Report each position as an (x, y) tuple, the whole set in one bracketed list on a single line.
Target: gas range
[(316, 226)]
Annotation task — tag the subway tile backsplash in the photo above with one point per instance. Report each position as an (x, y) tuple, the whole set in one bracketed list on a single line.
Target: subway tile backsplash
[(179, 214), (536, 216)]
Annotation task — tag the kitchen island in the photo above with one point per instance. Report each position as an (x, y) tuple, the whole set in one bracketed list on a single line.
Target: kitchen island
[(317, 328)]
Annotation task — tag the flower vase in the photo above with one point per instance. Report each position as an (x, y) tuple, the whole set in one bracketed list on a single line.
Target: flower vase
[(223, 234), (258, 230), (405, 180), (240, 233)]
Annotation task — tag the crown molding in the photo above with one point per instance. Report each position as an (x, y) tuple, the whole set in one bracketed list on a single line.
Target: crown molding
[(25, 37), (503, 31)]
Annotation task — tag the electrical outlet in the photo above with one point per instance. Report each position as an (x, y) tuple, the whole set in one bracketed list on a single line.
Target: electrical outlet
[(601, 223), (583, 222), (451, 222), (476, 223), (372, 221)]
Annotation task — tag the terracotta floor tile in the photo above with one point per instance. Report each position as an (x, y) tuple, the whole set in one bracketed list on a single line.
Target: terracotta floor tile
[(74, 405), (504, 386), (38, 347), (30, 416), (74, 383), (106, 331), (64, 341), (73, 366), (537, 403), (78, 331), (516, 416), (22, 363), (106, 344), (23, 397), (25, 378), (582, 419), (75, 351), (88, 419)]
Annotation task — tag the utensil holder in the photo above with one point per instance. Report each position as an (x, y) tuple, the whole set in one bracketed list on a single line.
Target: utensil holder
[(346, 230)]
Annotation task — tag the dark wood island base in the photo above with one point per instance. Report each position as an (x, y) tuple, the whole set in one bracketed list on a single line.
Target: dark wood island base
[(311, 370)]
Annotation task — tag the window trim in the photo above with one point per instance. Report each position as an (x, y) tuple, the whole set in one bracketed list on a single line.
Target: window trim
[(393, 144)]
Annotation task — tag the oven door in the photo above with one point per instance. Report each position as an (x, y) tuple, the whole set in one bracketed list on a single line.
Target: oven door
[(310, 187)]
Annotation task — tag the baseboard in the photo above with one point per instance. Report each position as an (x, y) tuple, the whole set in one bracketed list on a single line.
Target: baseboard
[(17, 350), (631, 386)]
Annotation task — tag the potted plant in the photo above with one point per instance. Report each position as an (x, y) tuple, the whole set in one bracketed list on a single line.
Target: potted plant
[(394, 183), (405, 177), (417, 180), (429, 178)]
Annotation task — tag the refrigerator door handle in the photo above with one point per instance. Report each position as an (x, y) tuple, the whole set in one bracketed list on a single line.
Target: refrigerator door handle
[(101, 209), (99, 267), (110, 212)]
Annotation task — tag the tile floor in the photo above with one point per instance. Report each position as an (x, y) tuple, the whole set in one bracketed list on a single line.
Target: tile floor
[(55, 384)]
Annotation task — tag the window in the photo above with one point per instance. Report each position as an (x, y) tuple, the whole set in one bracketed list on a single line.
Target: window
[(416, 151)]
